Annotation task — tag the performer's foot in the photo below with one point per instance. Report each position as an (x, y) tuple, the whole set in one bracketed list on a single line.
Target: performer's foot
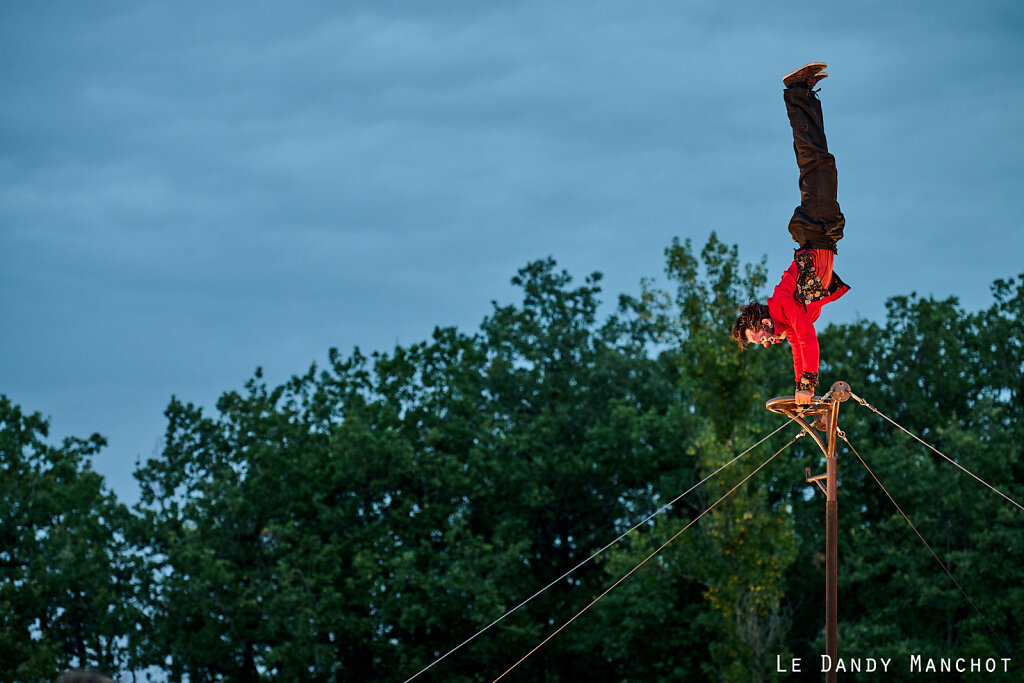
[(807, 75)]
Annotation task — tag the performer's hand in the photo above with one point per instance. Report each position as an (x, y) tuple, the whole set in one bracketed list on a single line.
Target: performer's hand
[(803, 398)]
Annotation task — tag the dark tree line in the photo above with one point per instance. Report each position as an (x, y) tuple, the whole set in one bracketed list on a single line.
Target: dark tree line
[(365, 517)]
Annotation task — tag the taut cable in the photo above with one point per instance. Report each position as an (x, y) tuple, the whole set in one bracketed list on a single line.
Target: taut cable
[(645, 560), (933, 448), (926, 545), (598, 552)]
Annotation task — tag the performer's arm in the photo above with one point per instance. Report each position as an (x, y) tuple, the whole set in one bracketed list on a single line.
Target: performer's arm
[(803, 339)]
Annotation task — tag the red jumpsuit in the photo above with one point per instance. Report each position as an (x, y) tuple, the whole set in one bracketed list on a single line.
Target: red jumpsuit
[(795, 308)]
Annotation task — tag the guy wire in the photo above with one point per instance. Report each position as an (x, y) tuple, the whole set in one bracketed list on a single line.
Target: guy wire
[(926, 545), (645, 560), (922, 441), (598, 552)]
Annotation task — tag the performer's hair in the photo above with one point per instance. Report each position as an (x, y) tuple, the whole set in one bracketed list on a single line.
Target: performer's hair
[(750, 318)]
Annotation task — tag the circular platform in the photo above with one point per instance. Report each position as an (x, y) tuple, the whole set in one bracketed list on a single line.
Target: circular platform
[(786, 405)]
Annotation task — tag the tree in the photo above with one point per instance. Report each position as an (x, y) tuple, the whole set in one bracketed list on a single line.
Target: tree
[(950, 377), (741, 552), (364, 518), (68, 577), (379, 510)]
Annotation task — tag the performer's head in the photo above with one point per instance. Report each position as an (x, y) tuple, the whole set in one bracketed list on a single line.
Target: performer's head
[(754, 326)]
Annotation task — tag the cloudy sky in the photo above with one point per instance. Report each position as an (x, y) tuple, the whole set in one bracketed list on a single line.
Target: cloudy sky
[(189, 190)]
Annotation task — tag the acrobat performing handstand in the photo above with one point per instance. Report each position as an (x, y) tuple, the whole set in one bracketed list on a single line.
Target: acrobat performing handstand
[(817, 224)]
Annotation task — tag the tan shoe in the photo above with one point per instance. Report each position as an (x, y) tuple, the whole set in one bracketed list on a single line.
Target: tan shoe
[(808, 73)]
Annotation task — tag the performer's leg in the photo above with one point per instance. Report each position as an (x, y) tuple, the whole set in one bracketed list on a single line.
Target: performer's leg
[(817, 223)]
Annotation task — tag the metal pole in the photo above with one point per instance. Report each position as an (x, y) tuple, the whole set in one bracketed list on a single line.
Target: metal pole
[(831, 546), (828, 404)]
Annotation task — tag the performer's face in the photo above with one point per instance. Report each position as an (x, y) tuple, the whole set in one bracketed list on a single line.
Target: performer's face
[(765, 336)]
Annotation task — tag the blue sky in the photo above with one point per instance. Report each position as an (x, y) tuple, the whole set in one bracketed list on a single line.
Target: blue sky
[(191, 190)]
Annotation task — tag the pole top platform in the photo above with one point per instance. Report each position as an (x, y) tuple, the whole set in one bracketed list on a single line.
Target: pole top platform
[(820, 405), (786, 405), (821, 414)]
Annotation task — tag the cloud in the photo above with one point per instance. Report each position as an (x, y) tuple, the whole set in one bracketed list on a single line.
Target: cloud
[(190, 190)]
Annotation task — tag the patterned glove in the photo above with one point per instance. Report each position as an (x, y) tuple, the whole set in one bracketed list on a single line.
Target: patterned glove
[(808, 382)]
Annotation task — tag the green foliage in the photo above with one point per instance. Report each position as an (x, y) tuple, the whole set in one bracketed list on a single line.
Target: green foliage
[(67, 575), (350, 524), (741, 551), (366, 517), (953, 378)]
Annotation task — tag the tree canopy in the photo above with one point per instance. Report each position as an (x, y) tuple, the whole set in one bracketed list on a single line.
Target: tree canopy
[(366, 517)]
